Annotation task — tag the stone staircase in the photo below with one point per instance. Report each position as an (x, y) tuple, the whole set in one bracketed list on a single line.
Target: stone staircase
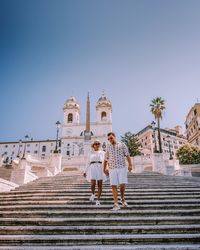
[(55, 213)]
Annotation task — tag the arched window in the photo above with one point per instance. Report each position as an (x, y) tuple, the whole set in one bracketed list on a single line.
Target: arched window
[(103, 116), (70, 118)]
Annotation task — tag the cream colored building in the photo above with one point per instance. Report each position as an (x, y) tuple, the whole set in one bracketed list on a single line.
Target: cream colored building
[(174, 137), (192, 124)]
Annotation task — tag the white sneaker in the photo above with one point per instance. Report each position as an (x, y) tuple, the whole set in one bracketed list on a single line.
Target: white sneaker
[(92, 197), (98, 203), (116, 207), (124, 203)]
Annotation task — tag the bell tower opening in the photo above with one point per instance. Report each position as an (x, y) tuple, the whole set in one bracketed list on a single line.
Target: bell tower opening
[(70, 118), (103, 116)]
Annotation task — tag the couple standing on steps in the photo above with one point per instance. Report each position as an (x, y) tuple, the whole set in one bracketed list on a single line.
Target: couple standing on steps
[(110, 163)]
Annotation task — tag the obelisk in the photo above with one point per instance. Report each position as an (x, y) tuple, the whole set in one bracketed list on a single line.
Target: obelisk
[(87, 133)]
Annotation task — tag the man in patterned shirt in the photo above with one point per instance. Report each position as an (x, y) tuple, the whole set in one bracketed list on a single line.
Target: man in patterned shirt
[(115, 159)]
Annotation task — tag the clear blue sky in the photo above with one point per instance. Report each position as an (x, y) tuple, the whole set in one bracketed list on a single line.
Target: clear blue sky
[(134, 50)]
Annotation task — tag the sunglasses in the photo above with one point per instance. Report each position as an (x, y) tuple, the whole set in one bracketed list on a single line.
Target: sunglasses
[(110, 138), (96, 143)]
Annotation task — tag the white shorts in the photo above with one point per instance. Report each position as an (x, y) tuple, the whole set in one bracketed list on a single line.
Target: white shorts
[(96, 173), (118, 176)]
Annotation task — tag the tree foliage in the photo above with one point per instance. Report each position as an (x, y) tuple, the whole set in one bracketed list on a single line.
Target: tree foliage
[(157, 107), (132, 142), (188, 154)]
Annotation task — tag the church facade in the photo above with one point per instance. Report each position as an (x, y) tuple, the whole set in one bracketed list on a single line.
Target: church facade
[(76, 135)]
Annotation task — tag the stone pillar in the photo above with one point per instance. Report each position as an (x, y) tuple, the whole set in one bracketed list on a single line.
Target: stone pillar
[(22, 174), (169, 168), (138, 164), (158, 163), (55, 163), (1, 161)]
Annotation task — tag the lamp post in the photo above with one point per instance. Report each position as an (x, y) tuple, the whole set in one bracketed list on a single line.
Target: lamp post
[(26, 139), (58, 125), (170, 151), (20, 142), (153, 125)]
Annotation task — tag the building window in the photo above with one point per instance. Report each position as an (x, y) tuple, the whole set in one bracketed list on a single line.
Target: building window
[(103, 116), (68, 153), (36, 145), (35, 152), (13, 146), (70, 118), (195, 112), (43, 148), (6, 146), (28, 145)]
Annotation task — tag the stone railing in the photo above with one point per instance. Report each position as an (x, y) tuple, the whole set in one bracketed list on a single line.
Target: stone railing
[(7, 185), (74, 162), (140, 162)]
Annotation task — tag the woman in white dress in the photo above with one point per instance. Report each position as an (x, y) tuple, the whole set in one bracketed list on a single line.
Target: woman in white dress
[(94, 170)]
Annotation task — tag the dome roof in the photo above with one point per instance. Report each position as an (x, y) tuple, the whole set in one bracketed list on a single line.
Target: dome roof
[(103, 102), (71, 103)]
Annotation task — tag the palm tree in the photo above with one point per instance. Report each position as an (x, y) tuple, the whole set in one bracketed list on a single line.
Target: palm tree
[(157, 107)]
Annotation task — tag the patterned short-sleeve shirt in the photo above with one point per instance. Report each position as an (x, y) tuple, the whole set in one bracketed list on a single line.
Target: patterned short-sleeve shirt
[(115, 155)]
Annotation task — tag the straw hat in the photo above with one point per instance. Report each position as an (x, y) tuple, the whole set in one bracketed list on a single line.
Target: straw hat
[(94, 142)]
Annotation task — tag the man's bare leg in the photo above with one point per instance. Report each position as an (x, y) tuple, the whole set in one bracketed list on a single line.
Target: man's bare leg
[(122, 191), (115, 194)]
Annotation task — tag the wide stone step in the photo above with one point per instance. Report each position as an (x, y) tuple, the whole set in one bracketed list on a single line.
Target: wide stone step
[(92, 206), (158, 246), (108, 185), (88, 192), (97, 221), (103, 202), (97, 239), (33, 190), (92, 230), (107, 196), (124, 212)]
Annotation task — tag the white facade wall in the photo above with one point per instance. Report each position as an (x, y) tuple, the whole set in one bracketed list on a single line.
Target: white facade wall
[(41, 148)]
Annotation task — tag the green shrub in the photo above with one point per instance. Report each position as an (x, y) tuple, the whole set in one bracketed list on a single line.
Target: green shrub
[(188, 154)]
